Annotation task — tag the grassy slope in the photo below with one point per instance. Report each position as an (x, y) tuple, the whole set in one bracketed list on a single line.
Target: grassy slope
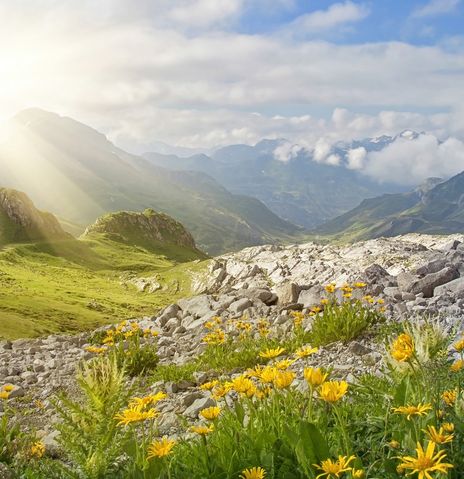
[(46, 288)]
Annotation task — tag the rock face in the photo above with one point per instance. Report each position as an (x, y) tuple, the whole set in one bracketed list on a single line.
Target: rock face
[(20, 220), (145, 229)]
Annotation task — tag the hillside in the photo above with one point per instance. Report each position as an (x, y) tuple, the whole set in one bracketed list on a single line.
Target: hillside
[(20, 220), (51, 282), (301, 190), (436, 207), (62, 163)]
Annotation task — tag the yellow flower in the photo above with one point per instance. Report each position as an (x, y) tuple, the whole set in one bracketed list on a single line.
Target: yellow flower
[(267, 374), (330, 288), (358, 474), (305, 351), (4, 394), (334, 469), (135, 414), (284, 363), (253, 473), (298, 317), (448, 427), (346, 288), (8, 388), (37, 449), (221, 390), (457, 365), (394, 444), (324, 301), (209, 385), (216, 337), (210, 413), (160, 448), (360, 285), (425, 462), (283, 379), (147, 400), (332, 391), (380, 301), (95, 349), (210, 325), (402, 348), (459, 346), (316, 309), (242, 385), (202, 430), (347, 295), (409, 411), (314, 376), (271, 353), (438, 437), (449, 397)]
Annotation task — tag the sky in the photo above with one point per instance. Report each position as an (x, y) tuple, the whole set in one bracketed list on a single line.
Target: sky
[(205, 73)]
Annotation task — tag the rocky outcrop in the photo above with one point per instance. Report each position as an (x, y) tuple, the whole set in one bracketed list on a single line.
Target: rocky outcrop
[(148, 228), (22, 221)]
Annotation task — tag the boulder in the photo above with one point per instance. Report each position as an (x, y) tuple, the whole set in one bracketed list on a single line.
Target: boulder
[(312, 296), (455, 286), (287, 293), (427, 284), (197, 306)]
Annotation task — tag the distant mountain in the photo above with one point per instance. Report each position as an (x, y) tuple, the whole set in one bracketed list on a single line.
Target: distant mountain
[(21, 221), (75, 172), (436, 206), (303, 191)]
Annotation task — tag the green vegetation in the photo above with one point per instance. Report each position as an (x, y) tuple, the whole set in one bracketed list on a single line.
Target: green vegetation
[(265, 424), (71, 285)]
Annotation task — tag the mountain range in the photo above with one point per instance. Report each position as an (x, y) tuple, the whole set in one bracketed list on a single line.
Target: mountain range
[(303, 191), (75, 172), (437, 206)]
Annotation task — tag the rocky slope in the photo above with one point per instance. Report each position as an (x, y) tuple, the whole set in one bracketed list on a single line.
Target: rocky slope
[(147, 229), (20, 220), (413, 274)]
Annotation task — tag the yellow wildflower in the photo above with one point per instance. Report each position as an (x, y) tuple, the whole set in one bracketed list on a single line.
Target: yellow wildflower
[(394, 444), (360, 285), (449, 397), (160, 448), (135, 414), (8, 388), (4, 394), (210, 413), (402, 348), (271, 353), (221, 390), (380, 301), (283, 379), (333, 469), (448, 427), (347, 295), (305, 351), (457, 365), (37, 449), (209, 385), (95, 349), (314, 376), (438, 437), (268, 374), (358, 474), (332, 391), (284, 363), (147, 400), (253, 473), (202, 430), (425, 462), (242, 385), (409, 410), (330, 288), (324, 301), (459, 345), (316, 309)]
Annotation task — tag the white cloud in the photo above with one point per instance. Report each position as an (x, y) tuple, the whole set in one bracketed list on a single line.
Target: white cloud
[(356, 158), (409, 162), (287, 151), (336, 15), (436, 7)]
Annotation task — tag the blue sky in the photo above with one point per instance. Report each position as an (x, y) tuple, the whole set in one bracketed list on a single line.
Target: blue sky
[(387, 20), (205, 73)]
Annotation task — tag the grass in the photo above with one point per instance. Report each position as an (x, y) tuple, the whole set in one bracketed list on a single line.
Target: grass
[(71, 286)]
